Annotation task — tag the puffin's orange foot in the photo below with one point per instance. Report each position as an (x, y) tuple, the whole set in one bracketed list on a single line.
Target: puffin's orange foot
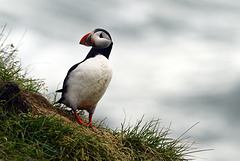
[(83, 123), (79, 119)]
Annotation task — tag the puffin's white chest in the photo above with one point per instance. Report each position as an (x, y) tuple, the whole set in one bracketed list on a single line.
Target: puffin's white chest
[(88, 82)]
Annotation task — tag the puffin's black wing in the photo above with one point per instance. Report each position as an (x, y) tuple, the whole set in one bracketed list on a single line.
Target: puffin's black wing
[(64, 89)]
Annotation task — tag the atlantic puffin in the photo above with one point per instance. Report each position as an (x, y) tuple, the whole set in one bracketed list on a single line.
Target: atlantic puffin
[(87, 81)]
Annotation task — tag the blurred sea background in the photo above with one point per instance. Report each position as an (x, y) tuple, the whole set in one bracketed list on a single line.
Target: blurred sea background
[(177, 60)]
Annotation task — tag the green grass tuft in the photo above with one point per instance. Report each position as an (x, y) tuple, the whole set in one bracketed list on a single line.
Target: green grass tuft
[(11, 68), (149, 141)]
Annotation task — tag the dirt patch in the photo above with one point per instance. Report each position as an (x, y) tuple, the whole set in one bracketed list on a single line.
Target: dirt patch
[(11, 98)]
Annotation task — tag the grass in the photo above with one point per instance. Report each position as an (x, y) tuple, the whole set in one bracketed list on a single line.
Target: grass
[(25, 136), (150, 141)]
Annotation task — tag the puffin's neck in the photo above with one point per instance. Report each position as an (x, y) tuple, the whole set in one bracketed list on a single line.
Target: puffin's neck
[(95, 51)]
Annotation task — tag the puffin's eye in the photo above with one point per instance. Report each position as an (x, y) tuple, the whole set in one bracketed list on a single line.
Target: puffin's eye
[(101, 36)]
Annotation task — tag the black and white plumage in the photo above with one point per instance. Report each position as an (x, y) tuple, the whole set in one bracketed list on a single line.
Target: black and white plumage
[(87, 81)]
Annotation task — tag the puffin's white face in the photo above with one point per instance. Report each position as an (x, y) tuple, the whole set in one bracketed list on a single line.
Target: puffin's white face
[(101, 39), (98, 38)]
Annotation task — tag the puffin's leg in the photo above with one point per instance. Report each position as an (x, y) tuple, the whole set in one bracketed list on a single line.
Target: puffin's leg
[(79, 119), (90, 120), (91, 111)]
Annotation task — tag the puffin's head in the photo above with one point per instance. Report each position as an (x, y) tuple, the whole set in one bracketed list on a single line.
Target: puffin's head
[(98, 38)]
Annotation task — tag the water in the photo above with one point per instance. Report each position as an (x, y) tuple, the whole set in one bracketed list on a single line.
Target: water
[(176, 60)]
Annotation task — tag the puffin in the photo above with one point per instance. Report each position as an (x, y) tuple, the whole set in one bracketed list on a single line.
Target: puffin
[(87, 81)]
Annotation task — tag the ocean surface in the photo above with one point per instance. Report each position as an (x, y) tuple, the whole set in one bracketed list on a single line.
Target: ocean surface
[(176, 60)]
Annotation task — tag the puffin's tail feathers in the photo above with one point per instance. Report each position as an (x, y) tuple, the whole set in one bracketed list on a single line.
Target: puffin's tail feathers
[(61, 99), (60, 90)]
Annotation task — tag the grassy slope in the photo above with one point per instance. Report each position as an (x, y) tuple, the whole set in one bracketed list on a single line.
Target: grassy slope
[(24, 136), (27, 136)]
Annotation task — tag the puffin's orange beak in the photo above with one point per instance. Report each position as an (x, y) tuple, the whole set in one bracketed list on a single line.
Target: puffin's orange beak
[(87, 40)]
